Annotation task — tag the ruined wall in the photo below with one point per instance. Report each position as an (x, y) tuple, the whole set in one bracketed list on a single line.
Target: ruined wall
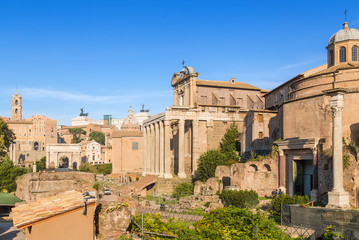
[(325, 175), (33, 186), (261, 176)]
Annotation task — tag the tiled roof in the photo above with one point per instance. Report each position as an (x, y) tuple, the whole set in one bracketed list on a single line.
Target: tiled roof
[(211, 83), (337, 67), (123, 133), (28, 214)]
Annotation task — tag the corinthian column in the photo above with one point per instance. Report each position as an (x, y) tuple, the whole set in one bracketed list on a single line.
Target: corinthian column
[(161, 139), (167, 150), (157, 149), (152, 150), (145, 150), (337, 198), (181, 163)]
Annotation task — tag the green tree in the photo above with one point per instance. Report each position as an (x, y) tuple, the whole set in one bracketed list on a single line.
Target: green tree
[(9, 174), (98, 137), (240, 199), (87, 167), (183, 189), (226, 155), (76, 134), (7, 137), (230, 141), (208, 163), (41, 165), (105, 168)]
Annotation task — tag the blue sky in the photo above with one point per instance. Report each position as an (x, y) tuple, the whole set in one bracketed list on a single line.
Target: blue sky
[(105, 56)]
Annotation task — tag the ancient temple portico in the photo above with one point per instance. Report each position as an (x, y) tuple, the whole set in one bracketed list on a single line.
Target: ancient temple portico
[(175, 139)]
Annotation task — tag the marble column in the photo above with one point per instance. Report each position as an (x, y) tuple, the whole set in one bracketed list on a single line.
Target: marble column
[(195, 124), (181, 159), (281, 168), (148, 153), (314, 192), (152, 150), (144, 171), (157, 149), (290, 181), (338, 197), (167, 149), (161, 139)]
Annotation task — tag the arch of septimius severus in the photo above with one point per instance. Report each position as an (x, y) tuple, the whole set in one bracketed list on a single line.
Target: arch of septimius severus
[(201, 112)]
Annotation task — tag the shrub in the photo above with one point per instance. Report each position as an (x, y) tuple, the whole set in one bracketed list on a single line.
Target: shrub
[(87, 167), (105, 168), (235, 223), (183, 189), (240, 199), (329, 234), (285, 199), (220, 224), (208, 163)]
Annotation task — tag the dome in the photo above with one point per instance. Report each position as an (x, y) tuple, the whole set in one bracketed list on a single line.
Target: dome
[(344, 34)]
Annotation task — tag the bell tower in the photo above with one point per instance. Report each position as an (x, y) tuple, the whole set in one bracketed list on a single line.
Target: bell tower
[(16, 107)]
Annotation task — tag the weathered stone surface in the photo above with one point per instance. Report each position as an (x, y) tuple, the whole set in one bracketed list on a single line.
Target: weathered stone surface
[(113, 220), (33, 186), (212, 184), (223, 171), (131, 202), (198, 186)]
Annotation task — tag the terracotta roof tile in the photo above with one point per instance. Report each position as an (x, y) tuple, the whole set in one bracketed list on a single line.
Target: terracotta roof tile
[(32, 212), (211, 83)]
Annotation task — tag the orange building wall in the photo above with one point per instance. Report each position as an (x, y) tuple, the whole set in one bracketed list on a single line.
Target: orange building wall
[(69, 226), (125, 159)]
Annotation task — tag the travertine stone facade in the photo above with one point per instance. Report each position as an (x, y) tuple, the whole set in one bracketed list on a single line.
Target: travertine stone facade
[(63, 156), (196, 122)]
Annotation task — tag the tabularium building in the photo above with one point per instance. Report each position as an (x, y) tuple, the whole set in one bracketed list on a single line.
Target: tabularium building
[(202, 110), (305, 113), (32, 134)]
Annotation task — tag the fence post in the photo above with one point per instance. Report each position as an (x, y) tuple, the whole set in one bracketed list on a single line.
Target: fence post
[(142, 224), (281, 214)]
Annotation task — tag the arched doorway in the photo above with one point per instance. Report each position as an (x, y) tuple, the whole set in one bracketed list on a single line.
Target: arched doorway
[(74, 165), (64, 162)]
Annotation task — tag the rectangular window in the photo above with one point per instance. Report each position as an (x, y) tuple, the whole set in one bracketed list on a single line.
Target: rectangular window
[(260, 135), (135, 146), (260, 117), (223, 109), (203, 109)]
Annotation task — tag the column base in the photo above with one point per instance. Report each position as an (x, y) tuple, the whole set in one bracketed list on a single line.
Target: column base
[(144, 174), (167, 175), (338, 200), (182, 175), (314, 195)]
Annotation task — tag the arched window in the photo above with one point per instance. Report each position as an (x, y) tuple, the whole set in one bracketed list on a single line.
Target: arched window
[(16, 102), (331, 55), (354, 53), (342, 54)]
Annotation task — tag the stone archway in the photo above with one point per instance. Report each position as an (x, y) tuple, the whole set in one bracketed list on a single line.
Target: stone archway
[(63, 155), (64, 162)]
